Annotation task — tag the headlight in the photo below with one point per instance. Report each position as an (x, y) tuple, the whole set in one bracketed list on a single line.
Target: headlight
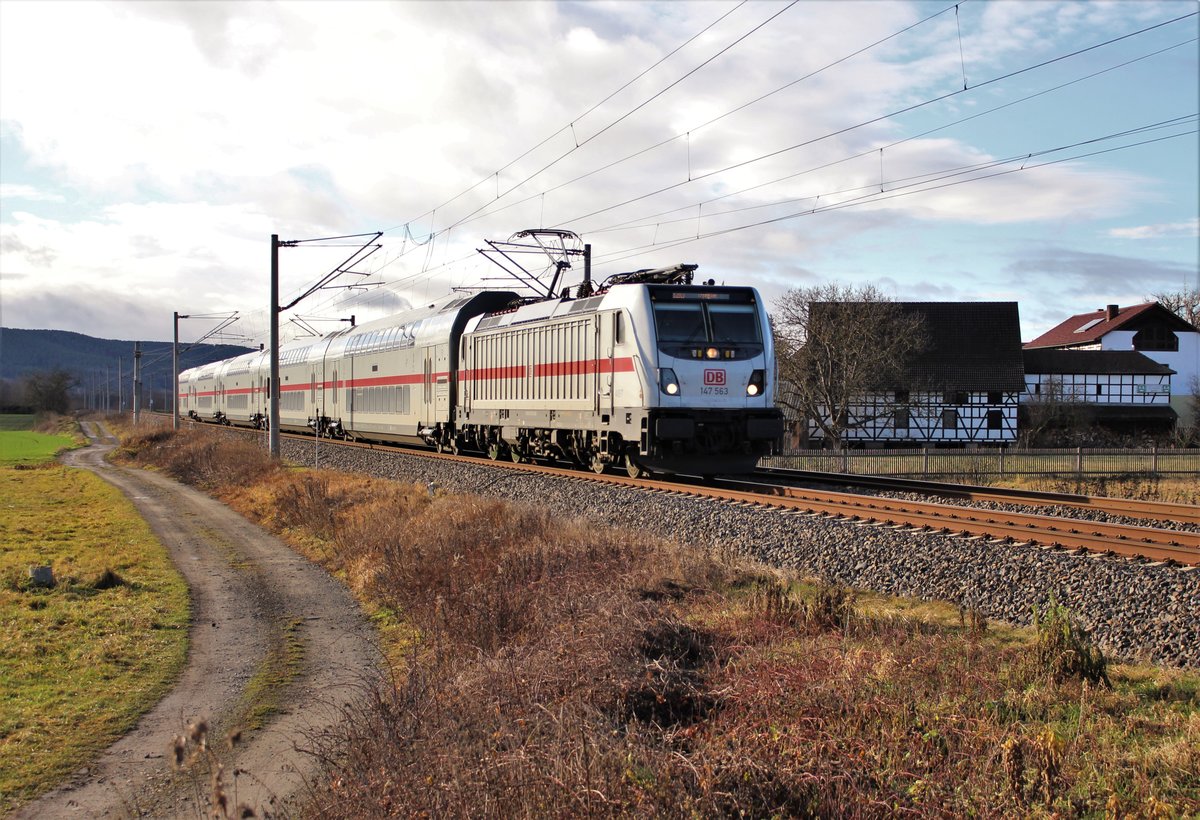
[(757, 379), (712, 353), (668, 382)]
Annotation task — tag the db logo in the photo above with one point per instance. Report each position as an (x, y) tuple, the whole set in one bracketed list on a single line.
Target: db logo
[(714, 378)]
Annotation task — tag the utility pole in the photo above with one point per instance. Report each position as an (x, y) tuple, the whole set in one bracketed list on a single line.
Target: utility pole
[(273, 383), (137, 383), (359, 255), (175, 375)]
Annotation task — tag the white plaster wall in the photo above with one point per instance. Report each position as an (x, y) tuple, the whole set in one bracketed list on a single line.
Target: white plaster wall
[(1185, 362)]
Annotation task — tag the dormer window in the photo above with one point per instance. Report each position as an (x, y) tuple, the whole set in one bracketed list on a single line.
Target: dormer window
[(1155, 338)]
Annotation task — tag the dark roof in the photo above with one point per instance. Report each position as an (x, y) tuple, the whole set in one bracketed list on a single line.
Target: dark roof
[(1089, 328), (972, 346), (1092, 362)]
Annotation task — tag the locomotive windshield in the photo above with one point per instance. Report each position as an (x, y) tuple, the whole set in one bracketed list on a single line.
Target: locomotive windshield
[(733, 324), (707, 322), (680, 323)]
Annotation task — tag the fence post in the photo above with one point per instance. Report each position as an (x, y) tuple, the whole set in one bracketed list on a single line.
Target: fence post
[(1154, 460), (845, 460), (1079, 460), (1001, 461), (925, 460)]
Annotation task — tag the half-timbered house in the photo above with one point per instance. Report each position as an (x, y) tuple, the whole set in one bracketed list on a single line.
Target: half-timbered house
[(1150, 329), (962, 389), (1114, 388)]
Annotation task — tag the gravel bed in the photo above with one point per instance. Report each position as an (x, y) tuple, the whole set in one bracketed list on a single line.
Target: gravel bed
[(1135, 610)]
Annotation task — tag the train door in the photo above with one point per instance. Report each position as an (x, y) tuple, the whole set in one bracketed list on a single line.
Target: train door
[(426, 389), (466, 386), (312, 397), (605, 352), (441, 383), (347, 378)]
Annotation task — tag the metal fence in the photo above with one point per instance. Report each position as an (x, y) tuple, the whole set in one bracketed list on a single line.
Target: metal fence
[(1073, 460)]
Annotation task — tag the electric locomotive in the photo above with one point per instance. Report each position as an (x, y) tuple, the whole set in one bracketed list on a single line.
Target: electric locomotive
[(651, 374)]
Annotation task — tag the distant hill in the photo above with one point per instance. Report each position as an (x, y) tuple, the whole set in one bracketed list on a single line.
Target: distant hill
[(95, 362)]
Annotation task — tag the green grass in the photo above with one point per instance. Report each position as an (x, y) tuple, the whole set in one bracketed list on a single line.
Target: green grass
[(20, 444), (81, 661), (23, 447)]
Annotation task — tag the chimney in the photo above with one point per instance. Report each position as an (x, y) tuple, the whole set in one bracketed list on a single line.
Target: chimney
[(1111, 312)]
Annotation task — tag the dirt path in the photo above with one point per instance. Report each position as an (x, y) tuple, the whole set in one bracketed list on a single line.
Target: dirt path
[(250, 593)]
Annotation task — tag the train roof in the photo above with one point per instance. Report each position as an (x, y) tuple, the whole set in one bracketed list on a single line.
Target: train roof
[(617, 296)]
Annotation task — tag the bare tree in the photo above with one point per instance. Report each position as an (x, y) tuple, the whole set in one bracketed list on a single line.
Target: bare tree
[(837, 343), (1183, 303), (1053, 416), (49, 391), (1187, 431)]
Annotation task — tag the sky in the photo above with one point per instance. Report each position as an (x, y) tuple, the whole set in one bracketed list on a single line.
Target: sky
[(1034, 151)]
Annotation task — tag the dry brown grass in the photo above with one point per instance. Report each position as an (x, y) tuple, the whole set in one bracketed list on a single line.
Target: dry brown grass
[(556, 668)]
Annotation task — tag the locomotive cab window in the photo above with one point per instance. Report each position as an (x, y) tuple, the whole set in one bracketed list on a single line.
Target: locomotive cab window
[(680, 323), (733, 324)]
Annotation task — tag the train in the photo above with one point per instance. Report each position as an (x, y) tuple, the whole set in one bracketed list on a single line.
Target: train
[(648, 373)]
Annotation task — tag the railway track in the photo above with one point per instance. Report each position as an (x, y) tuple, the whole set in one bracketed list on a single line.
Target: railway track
[(1004, 527), (1149, 510)]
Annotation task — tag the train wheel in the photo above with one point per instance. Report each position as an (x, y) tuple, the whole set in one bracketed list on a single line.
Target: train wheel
[(633, 469), (597, 464), (516, 457), (454, 448), (494, 451)]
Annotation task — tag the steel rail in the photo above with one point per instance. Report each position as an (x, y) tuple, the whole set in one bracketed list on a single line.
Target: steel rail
[(1154, 510)]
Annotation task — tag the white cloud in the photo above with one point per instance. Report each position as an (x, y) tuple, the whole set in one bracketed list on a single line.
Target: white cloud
[(28, 193), (1169, 230)]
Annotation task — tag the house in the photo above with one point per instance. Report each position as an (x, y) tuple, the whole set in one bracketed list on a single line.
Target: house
[(1119, 389), (963, 388), (1150, 329)]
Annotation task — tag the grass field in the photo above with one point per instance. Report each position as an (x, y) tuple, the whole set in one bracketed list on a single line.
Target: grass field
[(79, 662), (21, 444)]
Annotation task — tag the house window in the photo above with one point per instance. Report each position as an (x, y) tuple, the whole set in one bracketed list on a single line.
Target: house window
[(1155, 338), (954, 397), (902, 396), (1037, 389), (995, 419), (1099, 390), (949, 419), (995, 397), (900, 418)]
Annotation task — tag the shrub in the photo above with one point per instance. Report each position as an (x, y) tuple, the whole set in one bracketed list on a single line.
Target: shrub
[(1063, 650)]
